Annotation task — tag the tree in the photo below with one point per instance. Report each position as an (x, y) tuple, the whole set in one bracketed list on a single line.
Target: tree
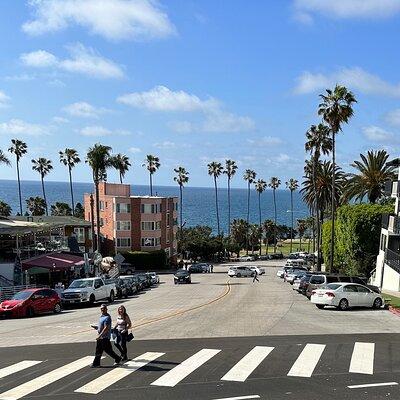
[(19, 148), (5, 209), (269, 231), (335, 109), (301, 229), (230, 171), (249, 176), (318, 141), (260, 185), (60, 209), (255, 233), (36, 206), (292, 185), (152, 163), (4, 159), (181, 178), (98, 158), (121, 163), (43, 167), (369, 182), (70, 157), (239, 232), (274, 183), (215, 170), (79, 211)]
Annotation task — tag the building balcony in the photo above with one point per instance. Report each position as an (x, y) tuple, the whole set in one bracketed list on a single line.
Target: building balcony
[(392, 258), (391, 222), (392, 189)]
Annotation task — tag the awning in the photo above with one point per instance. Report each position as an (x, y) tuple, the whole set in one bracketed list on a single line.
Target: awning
[(54, 262)]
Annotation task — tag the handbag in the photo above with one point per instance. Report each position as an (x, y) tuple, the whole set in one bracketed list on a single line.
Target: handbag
[(129, 337)]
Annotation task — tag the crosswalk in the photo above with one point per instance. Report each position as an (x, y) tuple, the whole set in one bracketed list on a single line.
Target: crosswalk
[(360, 361)]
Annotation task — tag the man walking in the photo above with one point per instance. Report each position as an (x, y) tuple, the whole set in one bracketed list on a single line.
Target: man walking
[(255, 276), (103, 339)]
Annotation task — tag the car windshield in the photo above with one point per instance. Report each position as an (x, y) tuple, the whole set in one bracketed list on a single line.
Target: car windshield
[(21, 295), (81, 283), (182, 272)]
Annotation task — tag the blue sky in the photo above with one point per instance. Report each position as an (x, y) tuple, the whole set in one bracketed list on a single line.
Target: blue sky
[(195, 81)]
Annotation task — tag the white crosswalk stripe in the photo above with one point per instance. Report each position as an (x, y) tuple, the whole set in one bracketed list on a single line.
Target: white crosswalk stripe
[(46, 379), (181, 371), (108, 379), (362, 359), (307, 361), (242, 370), (20, 366)]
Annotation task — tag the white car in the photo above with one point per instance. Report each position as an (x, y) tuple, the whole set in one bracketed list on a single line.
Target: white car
[(240, 272), (155, 279), (260, 271), (246, 258), (346, 295), (281, 272)]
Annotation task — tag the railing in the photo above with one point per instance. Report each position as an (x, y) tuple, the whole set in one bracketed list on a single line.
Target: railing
[(392, 258), (391, 222), (392, 188), (9, 291)]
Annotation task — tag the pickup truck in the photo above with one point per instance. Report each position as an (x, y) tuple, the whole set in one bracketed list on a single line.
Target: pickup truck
[(88, 290)]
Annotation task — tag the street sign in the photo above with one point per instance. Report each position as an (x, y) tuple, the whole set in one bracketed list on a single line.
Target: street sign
[(119, 258)]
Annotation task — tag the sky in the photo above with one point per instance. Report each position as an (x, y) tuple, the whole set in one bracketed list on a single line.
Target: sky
[(195, 81)]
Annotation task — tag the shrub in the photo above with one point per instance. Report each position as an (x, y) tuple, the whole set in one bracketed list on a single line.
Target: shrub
[(145, 260)]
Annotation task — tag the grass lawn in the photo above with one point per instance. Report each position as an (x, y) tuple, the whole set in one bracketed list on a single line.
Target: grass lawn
[(392, 300), (284, 247)]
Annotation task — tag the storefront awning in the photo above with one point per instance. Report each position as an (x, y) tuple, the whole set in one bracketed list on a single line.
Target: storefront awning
[(54, 262)]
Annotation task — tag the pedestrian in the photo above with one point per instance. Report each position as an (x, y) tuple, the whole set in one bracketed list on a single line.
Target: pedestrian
[(255, 278), (123, 325), (212, 268), (103, 339)]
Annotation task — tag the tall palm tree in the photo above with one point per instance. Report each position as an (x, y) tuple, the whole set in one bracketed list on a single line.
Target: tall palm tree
[(215, 170), (70, 157), (269, 229), (230, 171), (249, 176), (43, 166), (335, 109), (260, 186), (181, 178), (301, 228), (274, 183), (292, 185), (4, 159), (372, 174), (98, 158), (152, 163), (19, 148), (121, 163), (5, 209), (318, 141)]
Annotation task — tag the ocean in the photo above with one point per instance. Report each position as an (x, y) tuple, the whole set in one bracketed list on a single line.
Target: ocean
[(198, 203)]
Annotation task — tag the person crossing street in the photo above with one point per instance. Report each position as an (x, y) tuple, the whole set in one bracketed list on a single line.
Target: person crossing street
[(255, 277)]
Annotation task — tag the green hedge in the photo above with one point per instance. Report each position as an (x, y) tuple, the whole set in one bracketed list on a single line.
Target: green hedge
[(145, 260), (357, 235)]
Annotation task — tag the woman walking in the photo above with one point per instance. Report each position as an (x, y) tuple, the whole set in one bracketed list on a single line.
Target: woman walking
[(123, 325)]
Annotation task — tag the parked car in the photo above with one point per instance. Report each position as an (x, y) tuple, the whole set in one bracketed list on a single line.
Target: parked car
[(155, 279), (346, 295), (88, 290), (145, 280), (182, 276), (276, 256), (126, 269), (30, 302), (260, 271), (301, 283), (264, 257), (299, 262), (121, 287), (132, 284), (281, 272), (294, 273), (199, 268), (239, 272), (246, 258)]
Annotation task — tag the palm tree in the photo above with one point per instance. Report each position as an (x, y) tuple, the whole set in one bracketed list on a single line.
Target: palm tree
[(230, 171), (292, 185), (5, 209), (152, 163), (274, 183), (19, 148), (260, 185), (70, 157), (269, 229), (373, 172), (301, 228), (318, 141), (36, 206), (249, 176), (215, 170), (98, 158), (4, 159), (255, 232), (60, 208), (181, 178), (335, 109), (121, 163), (43, 166), (239, 231)]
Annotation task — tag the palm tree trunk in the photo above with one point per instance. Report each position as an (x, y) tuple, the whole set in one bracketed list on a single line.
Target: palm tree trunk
[(300, 243), (44, 196), (248, 217), (317, 216), (259, 214), (291, 227), (275, 218), (333, 203), (96, 185), (72, 191), (229, 206), (19, 188), (180, 217), (151, 184), (266, 250), (120, 177), (216, 203)]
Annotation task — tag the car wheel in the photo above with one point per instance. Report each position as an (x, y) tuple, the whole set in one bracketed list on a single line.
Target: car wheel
[(92, 299), (111, 298), (377, 303), (175, 282), (57, 308), (238, 275), (320, 306), (30, 312), (343, 305)]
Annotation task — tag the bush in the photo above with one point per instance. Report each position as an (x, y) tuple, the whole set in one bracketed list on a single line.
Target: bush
[(146, 260)]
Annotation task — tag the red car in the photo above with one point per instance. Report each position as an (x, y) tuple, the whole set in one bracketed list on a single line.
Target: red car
[(29, 302)]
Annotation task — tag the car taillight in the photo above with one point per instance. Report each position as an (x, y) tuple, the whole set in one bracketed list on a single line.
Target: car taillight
[(330, 294), (313, 292)]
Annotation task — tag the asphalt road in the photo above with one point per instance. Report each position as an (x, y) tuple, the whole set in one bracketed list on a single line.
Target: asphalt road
[(273, 367)]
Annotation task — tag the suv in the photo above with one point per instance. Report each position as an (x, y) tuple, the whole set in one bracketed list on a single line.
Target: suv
[(200, 268), (240, 271)]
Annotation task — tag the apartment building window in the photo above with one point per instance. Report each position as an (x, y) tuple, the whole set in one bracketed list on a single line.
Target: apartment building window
[(151, 242), (123, 208), (383, 242), (101, 221), (123, 225), (151, 225), (150, 208), (123, 242), (101, 203), (167, 220), (80, 234), (168, 252)]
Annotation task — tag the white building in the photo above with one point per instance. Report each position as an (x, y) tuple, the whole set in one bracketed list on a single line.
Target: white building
[(387, 274)]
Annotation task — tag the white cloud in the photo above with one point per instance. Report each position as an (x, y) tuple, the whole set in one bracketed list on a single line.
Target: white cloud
[(20, 127), (181, 126), (22, 77), (56, 83), (354, 78), (4, 99), (221, 121), (368, 9), (377, 134), (84, 110), (165, 145), (112, 19), (393, 117), (83, 60), (60, 120), (265, 141), (100, 131), (282, 158), (135, 150)]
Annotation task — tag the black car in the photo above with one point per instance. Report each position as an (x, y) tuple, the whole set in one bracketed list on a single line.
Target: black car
[(275, 256), (199, 268), (121, 287), (182, 276), (131, 283), (146, 283)]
